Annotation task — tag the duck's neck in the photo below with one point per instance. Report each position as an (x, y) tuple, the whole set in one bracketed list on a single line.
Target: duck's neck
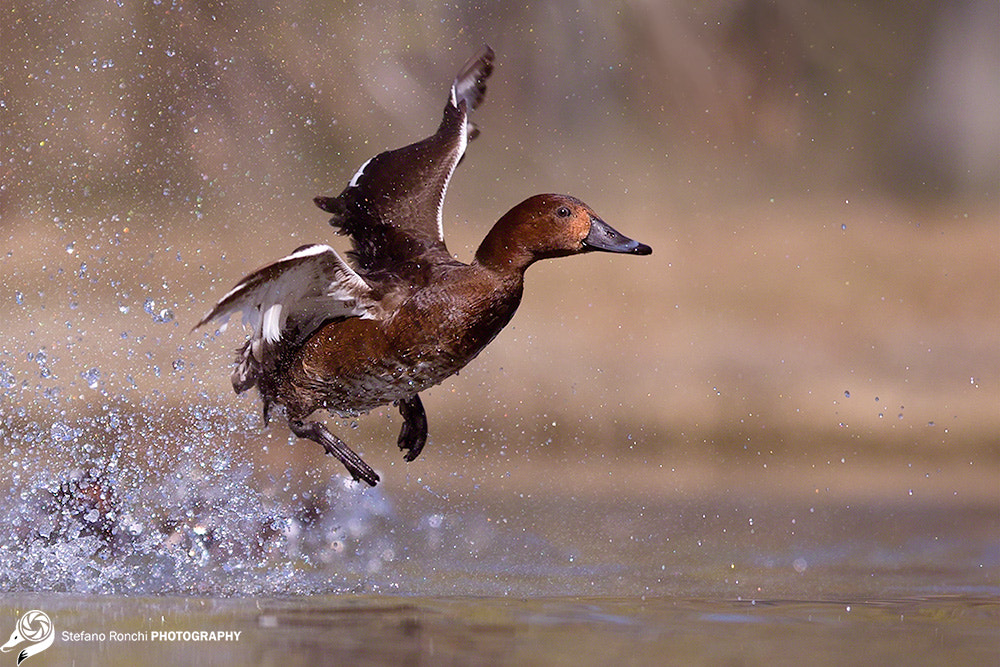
[(503, 251)]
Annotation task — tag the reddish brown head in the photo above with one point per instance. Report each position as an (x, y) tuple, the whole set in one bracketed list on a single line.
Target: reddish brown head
[(546, 226)]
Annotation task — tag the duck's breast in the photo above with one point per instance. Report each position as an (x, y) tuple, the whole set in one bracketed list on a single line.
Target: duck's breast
[(354, 365)]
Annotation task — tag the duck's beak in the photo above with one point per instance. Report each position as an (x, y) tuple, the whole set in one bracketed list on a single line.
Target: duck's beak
[(606, 238)]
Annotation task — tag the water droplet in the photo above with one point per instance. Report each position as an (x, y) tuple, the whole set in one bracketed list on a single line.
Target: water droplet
[(161, 315), (61, 432), (92, 377), (7, 379)]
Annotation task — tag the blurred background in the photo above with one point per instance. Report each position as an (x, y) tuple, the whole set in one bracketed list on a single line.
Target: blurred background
[(818, 182)]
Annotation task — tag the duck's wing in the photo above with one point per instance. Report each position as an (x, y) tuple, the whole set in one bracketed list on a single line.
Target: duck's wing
[(289, 300), (392, 206)]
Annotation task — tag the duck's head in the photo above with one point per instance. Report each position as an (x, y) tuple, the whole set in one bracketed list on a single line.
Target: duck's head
[(550, 225)]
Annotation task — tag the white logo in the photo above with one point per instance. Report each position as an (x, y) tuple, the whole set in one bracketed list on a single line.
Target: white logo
[(34, 626)]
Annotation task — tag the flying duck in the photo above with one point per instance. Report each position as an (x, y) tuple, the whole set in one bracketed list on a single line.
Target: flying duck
[(403, 314)]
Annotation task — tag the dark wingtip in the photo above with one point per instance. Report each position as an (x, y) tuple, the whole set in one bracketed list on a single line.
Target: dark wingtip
[(335, 207), (470, 82), (328, 204)]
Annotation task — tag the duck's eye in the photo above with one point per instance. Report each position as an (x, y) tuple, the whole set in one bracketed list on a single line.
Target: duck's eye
[(562, 212)]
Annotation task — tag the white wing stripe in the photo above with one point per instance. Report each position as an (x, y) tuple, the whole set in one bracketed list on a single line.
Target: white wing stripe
[(298, 292), (271, 329), (463, 142), (308, 251), (357, 175)]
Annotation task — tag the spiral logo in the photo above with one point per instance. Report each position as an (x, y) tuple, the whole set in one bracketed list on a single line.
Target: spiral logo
[(35, 627)]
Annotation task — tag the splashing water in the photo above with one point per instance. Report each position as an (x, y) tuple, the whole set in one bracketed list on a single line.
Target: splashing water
[(114, 511)]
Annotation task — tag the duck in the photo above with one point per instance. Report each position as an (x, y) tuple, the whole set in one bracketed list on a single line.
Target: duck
[(402, 314)]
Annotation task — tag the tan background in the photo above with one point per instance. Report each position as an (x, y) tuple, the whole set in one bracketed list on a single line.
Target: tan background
[(818, 183)]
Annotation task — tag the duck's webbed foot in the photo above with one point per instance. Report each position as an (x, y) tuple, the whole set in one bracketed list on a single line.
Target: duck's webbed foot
[(413, 435), (334, 446)]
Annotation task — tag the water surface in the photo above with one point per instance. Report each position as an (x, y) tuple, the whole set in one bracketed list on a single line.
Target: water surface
[(541, 563)]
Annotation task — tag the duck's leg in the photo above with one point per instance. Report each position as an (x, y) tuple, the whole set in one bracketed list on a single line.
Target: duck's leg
[(334, 446), (413, 435)]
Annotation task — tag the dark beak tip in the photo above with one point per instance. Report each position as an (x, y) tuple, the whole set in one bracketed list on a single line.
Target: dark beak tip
[(606, 238)]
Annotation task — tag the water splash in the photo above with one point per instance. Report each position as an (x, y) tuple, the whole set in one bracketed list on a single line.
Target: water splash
[(106, 504), (159, 315)]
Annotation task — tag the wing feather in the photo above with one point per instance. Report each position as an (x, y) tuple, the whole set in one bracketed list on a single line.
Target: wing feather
[(294, 295), (392, 207)]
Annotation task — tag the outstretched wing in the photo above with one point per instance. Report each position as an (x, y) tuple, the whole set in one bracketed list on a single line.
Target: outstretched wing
[(288, 301), (392, 206)]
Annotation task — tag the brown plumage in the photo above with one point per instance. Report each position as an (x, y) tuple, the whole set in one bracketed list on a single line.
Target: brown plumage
[(329, 337)]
